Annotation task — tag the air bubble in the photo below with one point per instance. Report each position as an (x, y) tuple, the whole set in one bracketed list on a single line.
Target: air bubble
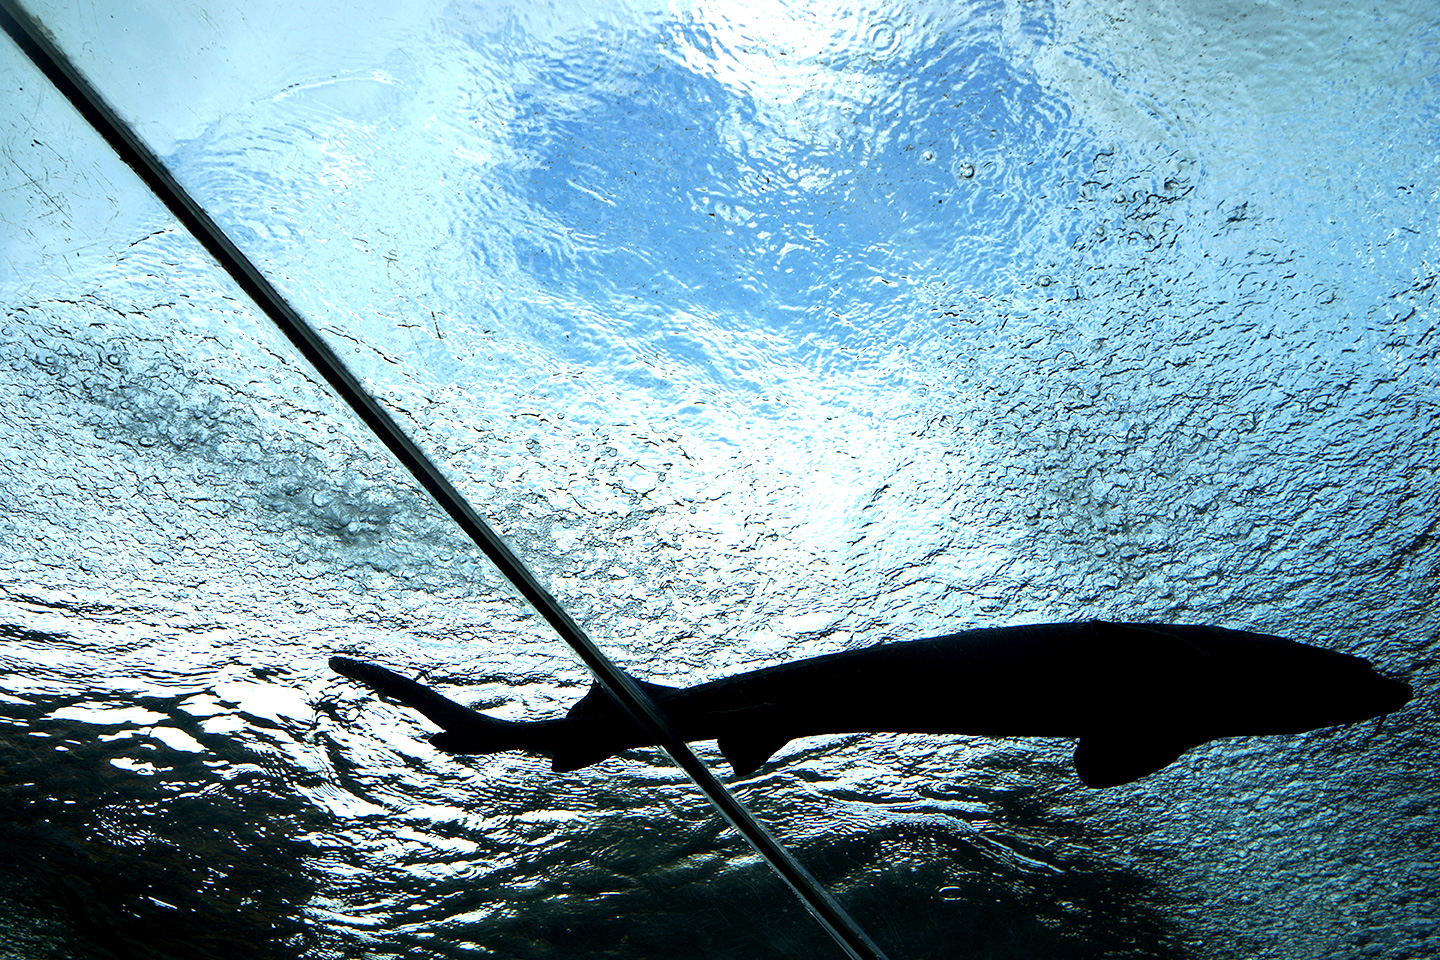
[(882, 38)]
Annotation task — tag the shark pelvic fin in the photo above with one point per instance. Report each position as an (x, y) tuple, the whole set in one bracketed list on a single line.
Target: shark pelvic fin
[(602, 727), (573, 756), (1108, 760), (745, 752)]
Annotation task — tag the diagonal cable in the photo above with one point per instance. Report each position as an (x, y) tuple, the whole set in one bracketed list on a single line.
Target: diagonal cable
[(32, 38)]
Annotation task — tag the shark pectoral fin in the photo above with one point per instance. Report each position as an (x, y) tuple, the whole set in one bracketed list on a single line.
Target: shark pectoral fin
[(745, 752), (1108, 760), (573, 756)]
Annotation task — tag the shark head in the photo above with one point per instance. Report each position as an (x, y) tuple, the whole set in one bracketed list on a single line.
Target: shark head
[(1275, 685), (1222, 683), (1348, 689)]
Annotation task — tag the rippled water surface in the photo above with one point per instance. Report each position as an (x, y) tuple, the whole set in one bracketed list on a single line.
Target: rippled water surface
[(761, 331)]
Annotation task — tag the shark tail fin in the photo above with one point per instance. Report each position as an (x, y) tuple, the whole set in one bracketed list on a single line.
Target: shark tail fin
[(465, 731), (602, 727)]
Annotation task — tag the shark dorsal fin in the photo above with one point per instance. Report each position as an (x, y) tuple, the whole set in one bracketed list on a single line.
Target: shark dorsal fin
[(1110, 759), (746, 751)]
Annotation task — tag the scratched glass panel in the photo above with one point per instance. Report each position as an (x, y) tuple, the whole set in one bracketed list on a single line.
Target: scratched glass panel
[(770, 330), (190, 527)]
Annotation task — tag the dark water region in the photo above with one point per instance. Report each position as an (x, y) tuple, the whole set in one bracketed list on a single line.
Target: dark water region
[(940, 898), (171, 854)]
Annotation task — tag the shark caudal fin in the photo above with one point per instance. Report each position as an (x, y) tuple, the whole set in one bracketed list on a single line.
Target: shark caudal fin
[(598, 727), (465, 730)]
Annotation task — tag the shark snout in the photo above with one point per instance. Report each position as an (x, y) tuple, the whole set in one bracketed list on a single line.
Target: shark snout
[(1393, 694), (1361, 695)]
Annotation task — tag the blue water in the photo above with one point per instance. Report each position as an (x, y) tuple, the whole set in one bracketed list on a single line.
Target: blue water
[(761, 331)]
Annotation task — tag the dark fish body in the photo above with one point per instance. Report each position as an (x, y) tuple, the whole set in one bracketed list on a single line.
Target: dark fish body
[(1135, 695)]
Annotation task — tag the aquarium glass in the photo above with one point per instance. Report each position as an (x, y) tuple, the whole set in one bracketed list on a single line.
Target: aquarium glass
[(760, 330)]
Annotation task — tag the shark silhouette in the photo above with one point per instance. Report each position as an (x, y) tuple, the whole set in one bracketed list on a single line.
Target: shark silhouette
[(1136, 695)]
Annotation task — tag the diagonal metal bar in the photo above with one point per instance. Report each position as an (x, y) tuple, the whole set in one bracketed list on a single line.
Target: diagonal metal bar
[(34, 40)]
